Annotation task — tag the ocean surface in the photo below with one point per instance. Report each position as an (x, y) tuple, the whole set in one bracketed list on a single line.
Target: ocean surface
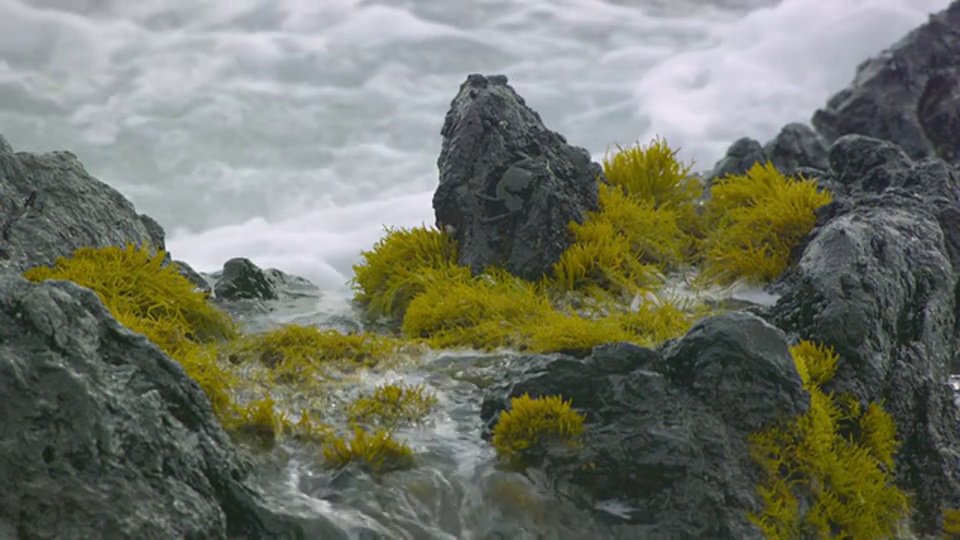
[(292, 131)]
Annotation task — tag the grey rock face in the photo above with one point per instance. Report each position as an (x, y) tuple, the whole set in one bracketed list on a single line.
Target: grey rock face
[(509, 186), (68, 209), (104, 436), (741, 155), (909, 94), (665, 431), (795, 148), (878, 282), (241, 279)]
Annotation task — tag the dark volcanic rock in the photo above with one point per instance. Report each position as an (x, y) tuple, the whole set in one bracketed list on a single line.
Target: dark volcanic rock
[(241, 279), (666, 432), (795, 148), (509, 186), (909, 94), (50, 206), (741, 155), (877, 280), (104, 436)]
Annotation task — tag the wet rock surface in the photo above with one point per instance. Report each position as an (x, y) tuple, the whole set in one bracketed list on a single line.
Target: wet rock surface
[(909, 94), (104, 436), (508, 185), (666, 429)]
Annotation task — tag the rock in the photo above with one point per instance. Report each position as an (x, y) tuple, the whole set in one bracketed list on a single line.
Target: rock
[(666, 430), (877, 282), (104, 436), (50, 206), (742, 366), (193, 276), (256, 298), (241, 279), (509, 186), (796, 146), (741, 155), (5, 147), (869, 164), (908, 94)]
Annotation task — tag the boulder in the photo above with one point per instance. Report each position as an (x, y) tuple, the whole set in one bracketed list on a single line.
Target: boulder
[(794, 150), (909, 94), (877, 280), (50, 206), (797, 146), (741, 155), (104, 436), (509, 186), (665, 437), (241, 279)]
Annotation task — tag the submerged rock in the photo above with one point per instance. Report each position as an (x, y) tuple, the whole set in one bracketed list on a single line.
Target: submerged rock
[(107, 437), (509, 186), (665, 431), (908, 94)]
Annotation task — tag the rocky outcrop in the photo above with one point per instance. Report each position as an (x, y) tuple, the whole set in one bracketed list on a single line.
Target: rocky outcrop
[(877, 280), (104, 436), (909, 94), (796, 148), (509, 186), (240, 279), (50, 206), (666, 430)]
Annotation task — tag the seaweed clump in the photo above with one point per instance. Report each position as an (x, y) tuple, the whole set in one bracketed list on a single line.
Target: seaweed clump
[(392, 405), (149, 296), (756, 220), (837, 458), (531, 425), (301, 354), (401, 265), (376, 452)]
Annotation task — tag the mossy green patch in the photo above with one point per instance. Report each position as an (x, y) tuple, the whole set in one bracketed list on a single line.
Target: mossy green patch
[(846, 474), (755, 221), (531, 424), (375, 453), (391, 406)]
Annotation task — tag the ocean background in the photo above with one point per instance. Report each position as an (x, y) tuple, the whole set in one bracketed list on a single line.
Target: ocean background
[(292, 131)]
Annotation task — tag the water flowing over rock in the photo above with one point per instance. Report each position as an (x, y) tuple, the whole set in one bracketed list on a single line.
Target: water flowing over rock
[(665, 433), (104, 436), (908, 94), (509, 186), (50, 206)]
